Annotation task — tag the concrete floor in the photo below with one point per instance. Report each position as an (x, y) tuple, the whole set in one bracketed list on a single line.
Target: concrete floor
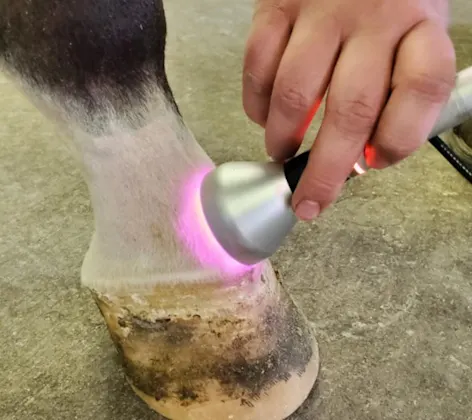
[(385, 275)]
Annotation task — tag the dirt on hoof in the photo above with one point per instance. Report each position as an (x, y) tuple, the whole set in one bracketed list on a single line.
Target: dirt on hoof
[(243, 352)]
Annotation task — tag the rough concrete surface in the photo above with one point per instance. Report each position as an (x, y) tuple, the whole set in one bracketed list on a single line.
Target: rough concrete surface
[(385, 274)]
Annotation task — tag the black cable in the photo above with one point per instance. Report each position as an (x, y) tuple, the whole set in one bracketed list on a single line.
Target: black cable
[(451, 157)]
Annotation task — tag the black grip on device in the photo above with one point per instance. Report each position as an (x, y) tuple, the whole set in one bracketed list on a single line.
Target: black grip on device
[(294, 168)]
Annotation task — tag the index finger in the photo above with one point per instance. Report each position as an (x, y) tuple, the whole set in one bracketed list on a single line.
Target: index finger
[(358, 91)]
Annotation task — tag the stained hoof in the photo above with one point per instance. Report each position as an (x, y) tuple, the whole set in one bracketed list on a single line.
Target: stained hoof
[(213, 352)]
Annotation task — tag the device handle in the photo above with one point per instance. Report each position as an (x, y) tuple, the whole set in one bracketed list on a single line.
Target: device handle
[(294, 168), (457, 110)]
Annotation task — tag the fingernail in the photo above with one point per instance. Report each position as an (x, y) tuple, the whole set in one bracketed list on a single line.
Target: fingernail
[(307, 210)]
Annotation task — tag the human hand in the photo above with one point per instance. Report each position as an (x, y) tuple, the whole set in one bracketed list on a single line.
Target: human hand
[(390, 67)]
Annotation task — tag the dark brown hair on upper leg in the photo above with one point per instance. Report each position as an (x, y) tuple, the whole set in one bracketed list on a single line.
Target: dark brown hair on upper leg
[(100, 52)]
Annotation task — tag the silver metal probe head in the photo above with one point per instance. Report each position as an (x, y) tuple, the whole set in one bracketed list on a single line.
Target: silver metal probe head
[(247, 206)]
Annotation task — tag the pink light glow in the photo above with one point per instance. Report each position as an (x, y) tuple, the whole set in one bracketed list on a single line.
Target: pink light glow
[(197, 235)]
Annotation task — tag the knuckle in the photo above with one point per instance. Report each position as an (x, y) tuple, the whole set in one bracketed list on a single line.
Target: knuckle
[(434, 88), (256, 81), (278, 11), (392, 151), (354, 117), (291, 97)]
